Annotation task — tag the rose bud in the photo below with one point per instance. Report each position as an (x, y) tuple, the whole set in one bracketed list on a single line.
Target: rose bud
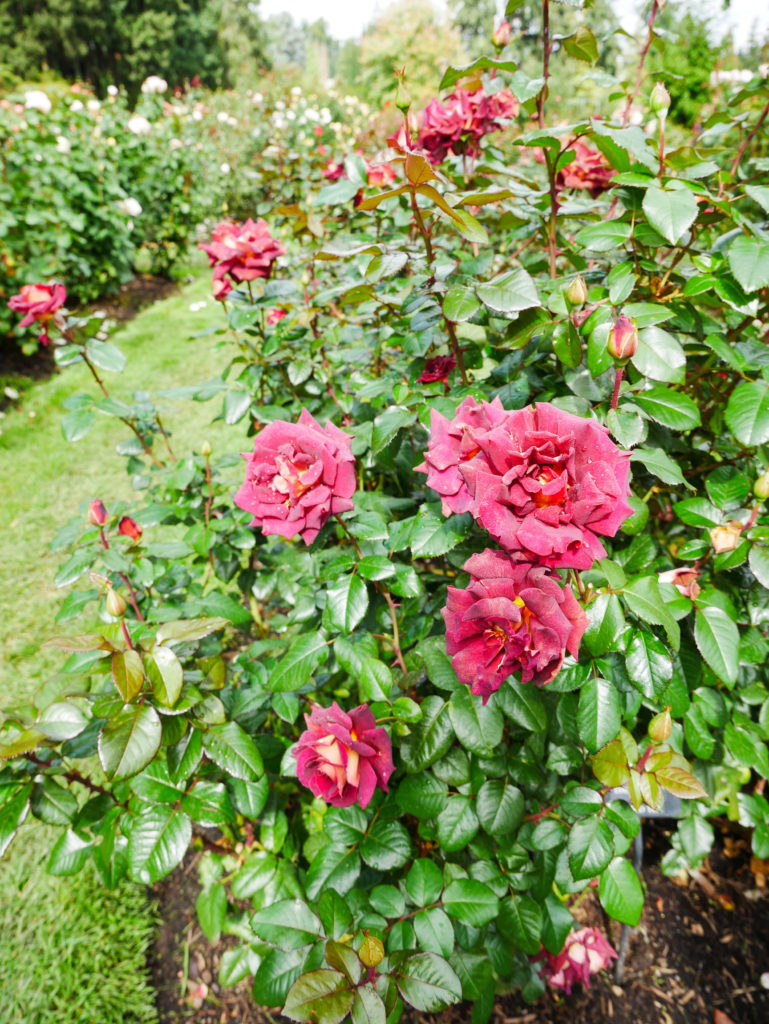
[(684, 579), (343, 757), (576, 293), (298, 475), (371, 951), (661, 726), (501, 35), (726, 538), (623, 338), (222, 289), (205, 449), (761, 486), (129, 528), (659, 100), (116, 606), (97, 513), (585, 953)]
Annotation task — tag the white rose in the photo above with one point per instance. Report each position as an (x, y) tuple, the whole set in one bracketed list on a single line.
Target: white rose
[(197, 115), (130, 207), (93, 106), (36, 99), (138, 125), (154, 84), (63, 144), (76, 106), (175, 144), (224, 168), (112, 90), (222, 116)]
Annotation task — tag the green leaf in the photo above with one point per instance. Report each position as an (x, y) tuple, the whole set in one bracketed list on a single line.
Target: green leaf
[(747, 413), (671, 212), (470, 902), (387, 901), (106, 356), (159, 839), (460, 304), (649, 665), (499, 807), (165, 672), (454, 72), (13, 811), (334, 867), (424, 796), (523, 703), (603, 236), (670, 408), (340, 956), (660, 464), (440, 671), (478, 728), (620, 892), (427, 982), (582, 45), (236, 965), (430, 738), (598, 715), (758, 559), (61, 720), (294, 669), (188, 630), (77, 423), (388, 423), (557, 922), (457, 824), (368, 1007), (590, 847), (52, 803), (660, 356), (211, 907), (69, 854), (434, 931), (208, 803), (718, 641), (287, 924), (229, 746), (520, 920), (322, 997), (510, 292), (386, 846), (643, 598), (432, 536), (346, 604), (424, 882), (376, 567), (127, 674), (275, 976), (681, 783), (749, 262), (129, 740)]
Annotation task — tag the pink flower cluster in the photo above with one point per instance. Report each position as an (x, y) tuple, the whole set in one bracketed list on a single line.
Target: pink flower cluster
[(459, 123), (585, 953), (546, 485), (40, 304), (240, 252)]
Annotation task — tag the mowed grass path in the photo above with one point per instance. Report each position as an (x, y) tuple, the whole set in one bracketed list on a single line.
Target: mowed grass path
[(68, 950)]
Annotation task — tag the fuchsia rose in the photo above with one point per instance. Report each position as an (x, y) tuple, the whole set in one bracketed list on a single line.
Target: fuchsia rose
[(274, 316), (241, 252), (513, 617), (343, 756), (39, 303), (543, 482), (590, 171), (459, 123), (586, 953), (298, 475), (332, 171)]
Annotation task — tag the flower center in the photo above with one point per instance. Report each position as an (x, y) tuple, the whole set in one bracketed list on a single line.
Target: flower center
[(288, 479), (547, 495)]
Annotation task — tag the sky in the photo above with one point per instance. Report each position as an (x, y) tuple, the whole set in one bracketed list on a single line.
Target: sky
[(347, 18)]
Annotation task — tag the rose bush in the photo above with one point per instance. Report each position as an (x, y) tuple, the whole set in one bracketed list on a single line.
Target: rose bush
[(369, 598)]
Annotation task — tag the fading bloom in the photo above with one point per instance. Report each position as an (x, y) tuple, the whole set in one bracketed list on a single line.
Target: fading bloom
[(222, 289), (332, 171), (97, 513), (726, 538), (343, 757), (585, 953), (437, 369), (128, 527), (36, 99), (543, 482), (684, 579), (154, 84), (138, 125), (112, 90), (93, 105), (40, 303), (513, 617), (298, 475), (241, 252), (76, 106), (589, 170)]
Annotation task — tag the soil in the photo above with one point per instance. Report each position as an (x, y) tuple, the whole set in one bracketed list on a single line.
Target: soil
[(696, 957)]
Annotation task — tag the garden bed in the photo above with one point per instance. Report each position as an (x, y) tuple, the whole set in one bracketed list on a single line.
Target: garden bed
[(700, 950)]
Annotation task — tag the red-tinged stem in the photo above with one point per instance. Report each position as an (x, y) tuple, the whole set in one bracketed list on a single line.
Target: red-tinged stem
[(126, 634), (455, 349), (132, 593), (748, 139), (547, 47), (617, 385), (649, 37), (421, 227)]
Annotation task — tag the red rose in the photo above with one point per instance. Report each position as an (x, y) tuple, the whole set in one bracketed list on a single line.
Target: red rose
[(241, 252), (513, 617), (458, 124), (543, 482), (97, 513), (298, 475), (590, 170), (343, 757), (437, 369), (586, 953), (332, 171), (39, 303), (129, 528)]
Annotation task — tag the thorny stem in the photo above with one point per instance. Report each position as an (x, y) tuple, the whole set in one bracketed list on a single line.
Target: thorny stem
[(455, 348), (74, 776), (552, 225), (747, 140), (617, 385), (421, 227), (545, 61), (132, 593), (649, 36), (164, 435), (126, 634)]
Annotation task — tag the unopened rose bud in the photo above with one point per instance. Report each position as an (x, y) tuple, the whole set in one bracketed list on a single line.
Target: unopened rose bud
[(501, 35), (660, 100), (726, 538), (661, 726), (576, 293), (623, 338), (97, 513), (116, 606), (205, 449), (129, 528), (402, 96), (761, 486), (371, 951)]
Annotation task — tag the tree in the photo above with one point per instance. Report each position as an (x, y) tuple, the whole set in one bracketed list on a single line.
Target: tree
[(684, 53)]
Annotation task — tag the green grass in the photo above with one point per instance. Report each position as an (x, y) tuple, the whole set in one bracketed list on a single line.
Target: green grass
[(68, 950)]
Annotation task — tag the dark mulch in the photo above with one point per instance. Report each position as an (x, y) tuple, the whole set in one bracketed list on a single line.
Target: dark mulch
[(696, 957)]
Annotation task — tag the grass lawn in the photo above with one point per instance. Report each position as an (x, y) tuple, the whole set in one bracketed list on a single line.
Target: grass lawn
[(68, 951)]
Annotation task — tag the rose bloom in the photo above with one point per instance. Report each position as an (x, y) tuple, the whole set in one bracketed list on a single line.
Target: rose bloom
[(332, 171), (684, 579), (586, 953), (458, 124), (128, 527), (380, 175), (242, 252), (274, 316), (437, 369), (590, 170), (543, 482), (513, 617), (343, 757), (39, 303), (298, 475)]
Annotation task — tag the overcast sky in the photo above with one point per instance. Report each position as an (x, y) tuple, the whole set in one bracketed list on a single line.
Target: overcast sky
[(347, 18)]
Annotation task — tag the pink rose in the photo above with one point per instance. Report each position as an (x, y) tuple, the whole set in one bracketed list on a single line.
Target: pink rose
[(97, 513), (332, 171), (298, 475), (684, 579), (513, 617), (543, 482), (586, 952), (590, 170), (501, 35), (274, 316), (39, 303), (459, 123), (380, 175), (241, 252), (343, 756)]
